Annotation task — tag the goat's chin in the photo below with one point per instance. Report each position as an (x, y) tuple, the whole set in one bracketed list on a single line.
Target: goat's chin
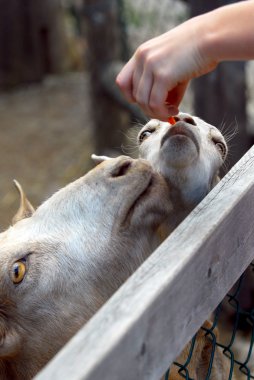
[(149, 211), (179, 154)]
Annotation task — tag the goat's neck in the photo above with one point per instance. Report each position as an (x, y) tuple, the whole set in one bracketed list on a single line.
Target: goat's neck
[(183, 202), (181, 208), (186, 190)]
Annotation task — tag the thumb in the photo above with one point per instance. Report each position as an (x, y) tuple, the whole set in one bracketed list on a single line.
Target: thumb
[(175, 97)]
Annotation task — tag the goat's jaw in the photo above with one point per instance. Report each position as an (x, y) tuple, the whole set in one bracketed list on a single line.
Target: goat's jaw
[(148, 210)]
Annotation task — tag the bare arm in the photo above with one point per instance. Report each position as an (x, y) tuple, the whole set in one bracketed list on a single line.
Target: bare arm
[(162, 67), (230, 34)]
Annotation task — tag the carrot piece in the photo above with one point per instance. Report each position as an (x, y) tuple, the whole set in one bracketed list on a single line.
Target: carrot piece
[(171, 120)]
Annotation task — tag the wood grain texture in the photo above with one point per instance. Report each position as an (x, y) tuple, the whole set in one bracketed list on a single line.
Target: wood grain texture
[(146, 324)]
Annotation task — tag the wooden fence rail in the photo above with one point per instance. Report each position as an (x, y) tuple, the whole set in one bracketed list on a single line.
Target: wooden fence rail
[(146, 324)]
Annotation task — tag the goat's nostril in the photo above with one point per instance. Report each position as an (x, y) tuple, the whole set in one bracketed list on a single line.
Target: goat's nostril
[(177, 118), (189, 120), (122, 169)]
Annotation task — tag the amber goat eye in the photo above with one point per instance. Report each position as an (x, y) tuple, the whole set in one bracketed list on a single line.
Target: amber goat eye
[(18, 271)]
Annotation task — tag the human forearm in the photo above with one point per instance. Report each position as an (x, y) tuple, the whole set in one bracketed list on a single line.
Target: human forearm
[(157, 75), (229, 32)]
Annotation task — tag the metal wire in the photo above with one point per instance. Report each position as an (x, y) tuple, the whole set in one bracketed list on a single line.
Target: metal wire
[(232, 304)]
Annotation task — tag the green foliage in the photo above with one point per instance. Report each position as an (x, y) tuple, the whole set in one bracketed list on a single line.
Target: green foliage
[(139, 18)]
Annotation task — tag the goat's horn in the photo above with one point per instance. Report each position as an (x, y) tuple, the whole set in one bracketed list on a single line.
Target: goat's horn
[(25, 208), (99, 159)]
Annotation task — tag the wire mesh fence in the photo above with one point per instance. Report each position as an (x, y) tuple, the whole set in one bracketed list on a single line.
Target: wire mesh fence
[(228, 339)]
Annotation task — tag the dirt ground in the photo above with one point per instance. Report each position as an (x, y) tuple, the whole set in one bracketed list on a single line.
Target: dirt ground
[(45, 139)]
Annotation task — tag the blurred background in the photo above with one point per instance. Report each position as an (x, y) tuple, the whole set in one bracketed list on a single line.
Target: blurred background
[(58, 99)]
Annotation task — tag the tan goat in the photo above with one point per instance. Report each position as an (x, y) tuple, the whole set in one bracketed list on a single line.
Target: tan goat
[(63, 261)]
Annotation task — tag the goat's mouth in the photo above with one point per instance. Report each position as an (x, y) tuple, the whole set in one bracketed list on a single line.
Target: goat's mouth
[(180, 132)]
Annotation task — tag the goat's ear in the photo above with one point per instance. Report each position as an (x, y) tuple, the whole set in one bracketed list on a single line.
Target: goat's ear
[(99, 159), (10, 341), (25, 208)]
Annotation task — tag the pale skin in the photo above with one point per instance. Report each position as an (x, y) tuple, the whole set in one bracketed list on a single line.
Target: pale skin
[(157, 75)]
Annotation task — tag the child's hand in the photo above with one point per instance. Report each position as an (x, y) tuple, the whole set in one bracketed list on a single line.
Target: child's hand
[(157, 75)]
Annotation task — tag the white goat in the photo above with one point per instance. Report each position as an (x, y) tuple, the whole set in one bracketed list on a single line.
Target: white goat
[(188, 154)]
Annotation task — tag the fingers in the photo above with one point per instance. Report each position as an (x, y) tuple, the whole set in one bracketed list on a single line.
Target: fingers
[(124, 80), (136, 79), (142, 81), (155, 99), (160, 103), (142, 94), (157, 106)]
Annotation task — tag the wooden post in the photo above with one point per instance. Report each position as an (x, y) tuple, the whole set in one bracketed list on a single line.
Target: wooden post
[(31, 41), (220, 97), (104, 48)]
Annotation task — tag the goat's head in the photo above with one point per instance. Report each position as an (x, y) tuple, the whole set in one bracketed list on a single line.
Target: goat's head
[(60, 263), (188, 154)]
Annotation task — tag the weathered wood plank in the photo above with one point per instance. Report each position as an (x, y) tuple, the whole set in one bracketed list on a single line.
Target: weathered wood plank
[(145, 325), (102, 30)]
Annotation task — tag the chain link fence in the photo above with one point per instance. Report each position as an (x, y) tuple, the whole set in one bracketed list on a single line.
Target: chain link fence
[(233, 339)]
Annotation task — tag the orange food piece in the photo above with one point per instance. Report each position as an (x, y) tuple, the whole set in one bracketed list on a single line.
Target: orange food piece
[(171, 120)]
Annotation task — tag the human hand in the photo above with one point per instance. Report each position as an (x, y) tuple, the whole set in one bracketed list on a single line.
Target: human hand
[(157, 75)]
